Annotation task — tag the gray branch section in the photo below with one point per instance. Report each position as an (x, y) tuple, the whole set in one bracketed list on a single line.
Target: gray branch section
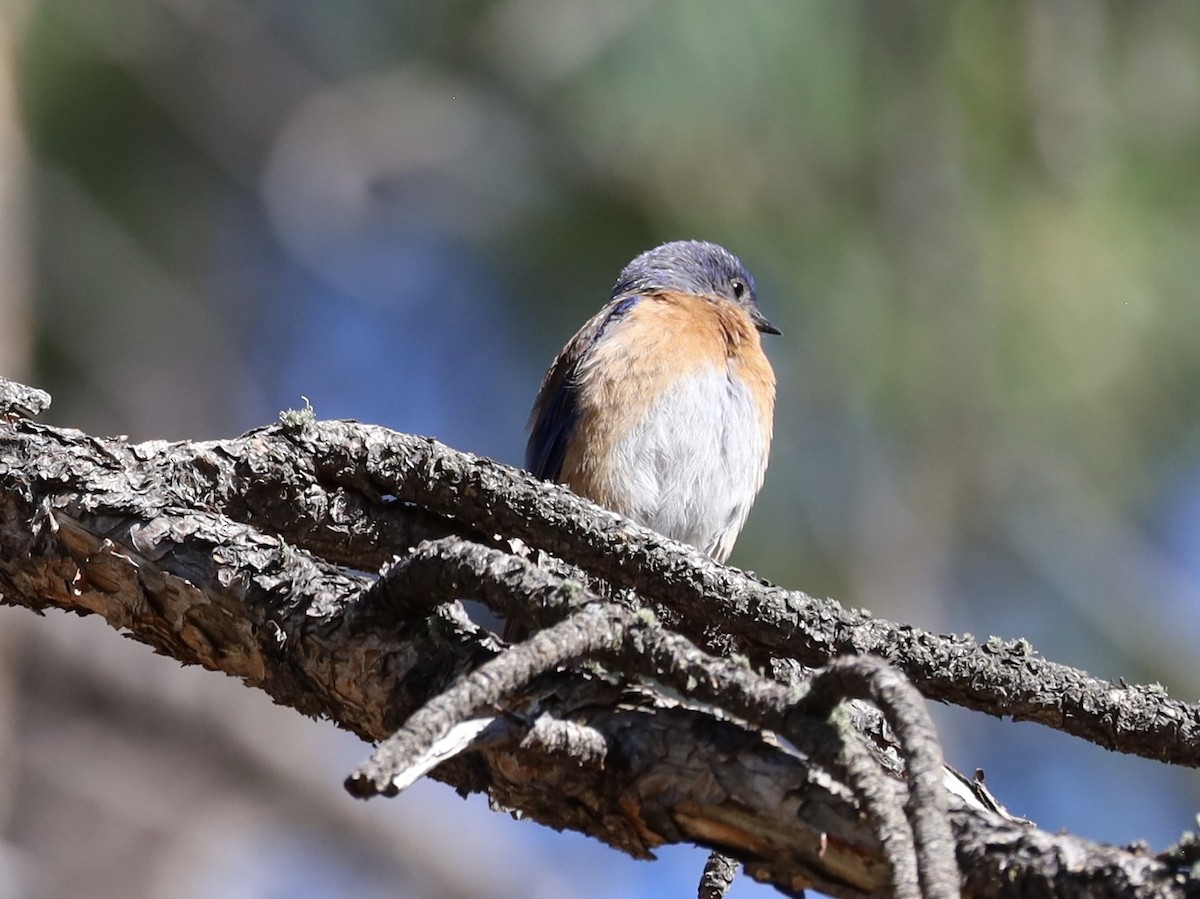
[(251, 556)]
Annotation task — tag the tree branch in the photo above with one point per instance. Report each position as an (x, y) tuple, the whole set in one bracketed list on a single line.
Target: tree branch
[(324, 487), (249, 556)]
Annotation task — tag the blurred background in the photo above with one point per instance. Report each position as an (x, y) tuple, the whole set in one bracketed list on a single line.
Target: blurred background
[(978, 225)]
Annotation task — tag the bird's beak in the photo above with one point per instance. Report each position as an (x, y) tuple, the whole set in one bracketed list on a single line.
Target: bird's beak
[(760, 322)]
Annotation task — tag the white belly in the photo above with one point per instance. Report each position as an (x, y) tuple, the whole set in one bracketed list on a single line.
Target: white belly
[(691, 468)]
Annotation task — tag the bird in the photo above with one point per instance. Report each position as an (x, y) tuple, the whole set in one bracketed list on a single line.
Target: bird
[(661, 407)]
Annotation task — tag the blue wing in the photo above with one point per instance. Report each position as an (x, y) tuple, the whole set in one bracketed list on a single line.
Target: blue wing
[(551, 431), (556, 411)]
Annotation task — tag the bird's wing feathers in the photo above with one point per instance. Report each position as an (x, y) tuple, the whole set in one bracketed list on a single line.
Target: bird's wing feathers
[(556, 410)]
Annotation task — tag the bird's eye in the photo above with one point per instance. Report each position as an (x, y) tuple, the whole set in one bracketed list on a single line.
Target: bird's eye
[(739, 287)]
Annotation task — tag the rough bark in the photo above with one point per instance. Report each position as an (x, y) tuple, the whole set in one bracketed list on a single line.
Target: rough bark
[(258, 557)]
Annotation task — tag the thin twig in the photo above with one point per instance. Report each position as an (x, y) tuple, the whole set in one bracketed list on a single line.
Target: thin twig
[(718, 876), (593, 629), (867, 677)]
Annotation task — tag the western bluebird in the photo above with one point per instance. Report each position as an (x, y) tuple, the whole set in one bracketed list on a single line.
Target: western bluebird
[(660, 407)]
